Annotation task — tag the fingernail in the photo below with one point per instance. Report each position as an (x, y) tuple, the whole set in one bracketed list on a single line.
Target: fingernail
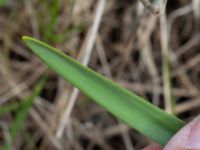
[(194, 136)]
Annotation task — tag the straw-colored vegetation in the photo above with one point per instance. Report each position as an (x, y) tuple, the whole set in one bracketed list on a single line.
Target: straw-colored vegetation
[(156, 56)]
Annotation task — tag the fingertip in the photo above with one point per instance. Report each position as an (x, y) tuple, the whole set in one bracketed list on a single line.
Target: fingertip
[(187, 137), (153, 147)]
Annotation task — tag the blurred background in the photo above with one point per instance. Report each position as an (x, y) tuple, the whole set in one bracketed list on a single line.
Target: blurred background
[(156, 57)]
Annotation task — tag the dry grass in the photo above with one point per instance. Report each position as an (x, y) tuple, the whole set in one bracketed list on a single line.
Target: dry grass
[(127, 48)]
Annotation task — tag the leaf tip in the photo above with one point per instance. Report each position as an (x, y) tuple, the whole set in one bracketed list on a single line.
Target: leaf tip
[(25, 38), (28, 38)]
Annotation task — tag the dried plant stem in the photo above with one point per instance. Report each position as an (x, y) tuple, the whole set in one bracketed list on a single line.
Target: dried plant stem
[(169, 102)]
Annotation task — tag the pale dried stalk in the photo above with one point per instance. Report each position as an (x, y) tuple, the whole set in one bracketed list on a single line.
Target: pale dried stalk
[(196, 9), (191, 104), (144, 34), (169, 102)]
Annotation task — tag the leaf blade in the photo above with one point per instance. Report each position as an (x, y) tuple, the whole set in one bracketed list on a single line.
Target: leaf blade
[(132, 109)]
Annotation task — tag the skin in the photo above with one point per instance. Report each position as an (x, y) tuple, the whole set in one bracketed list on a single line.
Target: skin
[(188, 138)]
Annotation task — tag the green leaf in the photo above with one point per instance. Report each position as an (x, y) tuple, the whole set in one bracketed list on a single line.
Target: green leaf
[(8, 108), (125, 105), (22, 114), (3, 2)]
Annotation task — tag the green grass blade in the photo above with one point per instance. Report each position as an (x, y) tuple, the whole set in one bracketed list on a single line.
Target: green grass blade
[(23, 112), (3, 2), (130, 108), (8, 108)]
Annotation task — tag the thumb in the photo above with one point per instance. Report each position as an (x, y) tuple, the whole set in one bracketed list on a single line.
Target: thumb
[(187, 138)]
